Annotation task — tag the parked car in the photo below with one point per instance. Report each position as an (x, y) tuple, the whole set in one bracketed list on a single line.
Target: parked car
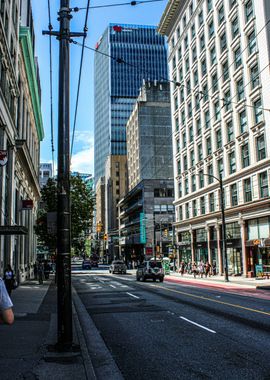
[(150, 269), (118, 266), (86, 264)]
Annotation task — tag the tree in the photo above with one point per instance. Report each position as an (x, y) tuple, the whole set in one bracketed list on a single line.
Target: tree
[(82, 202)]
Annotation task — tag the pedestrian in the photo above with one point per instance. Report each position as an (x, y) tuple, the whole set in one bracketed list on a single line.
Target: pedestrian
[(6, 313), (9, 279), (189, 268), (207, 269), (182, 268), (40, 271), (201, 268), (35, 271), (194, 269)]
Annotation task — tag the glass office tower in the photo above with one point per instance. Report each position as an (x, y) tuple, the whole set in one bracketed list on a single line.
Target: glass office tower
[(117, 84)]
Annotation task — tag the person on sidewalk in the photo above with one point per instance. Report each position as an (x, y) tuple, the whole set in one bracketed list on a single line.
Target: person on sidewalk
[(9, 279), (6, 313), (194, 269), (201, 268), (207, 269), (182, 268)]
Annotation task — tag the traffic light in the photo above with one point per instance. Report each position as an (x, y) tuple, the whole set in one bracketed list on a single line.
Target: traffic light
[(165, 232), (105, 237)]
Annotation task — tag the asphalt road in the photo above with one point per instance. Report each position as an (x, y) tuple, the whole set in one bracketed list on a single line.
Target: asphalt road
[(174, 331)]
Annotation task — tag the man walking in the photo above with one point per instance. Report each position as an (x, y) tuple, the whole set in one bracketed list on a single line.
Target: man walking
[(6, 313)]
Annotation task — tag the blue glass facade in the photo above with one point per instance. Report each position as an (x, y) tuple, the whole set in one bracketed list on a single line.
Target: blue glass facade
[(117, 84)]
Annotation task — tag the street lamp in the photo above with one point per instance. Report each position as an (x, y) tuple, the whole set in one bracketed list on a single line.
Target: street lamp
[(223, 225)]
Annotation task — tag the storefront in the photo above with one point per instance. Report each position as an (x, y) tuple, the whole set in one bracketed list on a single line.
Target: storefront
[(214, 246), (234, 249), (201, 245), (184, 246), (258, 246)]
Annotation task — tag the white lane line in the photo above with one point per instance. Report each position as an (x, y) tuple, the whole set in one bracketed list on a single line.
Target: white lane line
[(197, 324), (132, 295), (113, 286)]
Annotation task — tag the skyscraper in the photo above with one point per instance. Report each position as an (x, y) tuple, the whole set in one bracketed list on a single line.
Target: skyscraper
[(125, 55)]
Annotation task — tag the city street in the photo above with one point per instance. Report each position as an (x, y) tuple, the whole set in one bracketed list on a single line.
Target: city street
[(172, 330)]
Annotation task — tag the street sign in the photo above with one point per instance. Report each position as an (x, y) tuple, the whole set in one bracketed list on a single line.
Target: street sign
[(142, 228)]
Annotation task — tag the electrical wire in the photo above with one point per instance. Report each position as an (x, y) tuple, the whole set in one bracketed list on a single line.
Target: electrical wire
[(80, 75), (51, 96), (132, 3)]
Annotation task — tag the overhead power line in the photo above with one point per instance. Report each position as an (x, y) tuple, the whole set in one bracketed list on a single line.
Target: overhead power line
[(132, 3), (51, 96), (85, 29)]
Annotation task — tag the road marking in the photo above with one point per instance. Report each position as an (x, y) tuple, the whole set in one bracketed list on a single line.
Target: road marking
[(213, 300), (132, 295), (197, 324), (113, 286)]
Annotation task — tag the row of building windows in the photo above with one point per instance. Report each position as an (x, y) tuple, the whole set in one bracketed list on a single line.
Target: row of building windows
[(211, 203)]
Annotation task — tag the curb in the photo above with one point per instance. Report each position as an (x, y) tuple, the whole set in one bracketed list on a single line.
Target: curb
[(101, 358)]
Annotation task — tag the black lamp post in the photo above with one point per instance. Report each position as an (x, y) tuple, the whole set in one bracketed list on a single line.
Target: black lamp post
[(223, 225)]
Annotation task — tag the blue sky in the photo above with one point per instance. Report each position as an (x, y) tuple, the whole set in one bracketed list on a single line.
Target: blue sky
[(98, 20)]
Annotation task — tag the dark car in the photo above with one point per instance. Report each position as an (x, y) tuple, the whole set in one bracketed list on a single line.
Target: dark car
[(86, 264), (118, 266), (151, 269)]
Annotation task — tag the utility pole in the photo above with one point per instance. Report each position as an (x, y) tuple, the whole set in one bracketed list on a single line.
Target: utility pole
[(63, 268)]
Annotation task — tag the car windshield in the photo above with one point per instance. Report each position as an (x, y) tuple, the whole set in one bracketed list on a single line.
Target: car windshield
[(155, 264)]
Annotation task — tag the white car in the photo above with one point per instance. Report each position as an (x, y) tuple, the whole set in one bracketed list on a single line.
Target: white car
[(118, 266)]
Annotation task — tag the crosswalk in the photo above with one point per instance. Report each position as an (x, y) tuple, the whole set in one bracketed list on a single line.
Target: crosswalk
[(91, 283)]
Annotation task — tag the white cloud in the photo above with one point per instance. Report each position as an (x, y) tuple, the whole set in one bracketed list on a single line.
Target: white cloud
[(83, 160)]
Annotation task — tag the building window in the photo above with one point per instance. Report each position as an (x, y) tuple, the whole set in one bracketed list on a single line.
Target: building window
[(203, 67), (181, 73), (227, 100), (188, 85), (184, 21), (176, 124), (217, 110), (252, 46), (189, 109), (180, 189), (192, 158), (249, 10), (191, 8), (213, 55), (202, 204), (208, 146), (187, 210), (230, 131), (245, 155), (178, 145), (187, 64), (243, 121), (202, 42), (176, 103), (232, 3), (194, 54), (195, 77), (191, 135), (254, 76), (220, 168), (212, 202), (263, 180), (185, 162), (201, 179), (210, 174), (214, 82), (183, 117), (235, 27), (237, 58), (240, 89), (225, 71), (247, 190), (218, 139), (184, 138), (261, 149), (186, 42), (198, 126), (232, 163), (200, 152), (180, 213), (182, 96), (223, 42), (194, 207), (207, 119), (179, 53), (258, 112), (234, 195), (197, 102), (186, 186), (209, 5), (178, 32), (201, 18), (193, 32), (193, 182), (221, 15), (179, 167), (205, 92)]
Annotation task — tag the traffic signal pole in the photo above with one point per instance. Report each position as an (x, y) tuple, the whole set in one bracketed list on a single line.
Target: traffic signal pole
[(63, 260)]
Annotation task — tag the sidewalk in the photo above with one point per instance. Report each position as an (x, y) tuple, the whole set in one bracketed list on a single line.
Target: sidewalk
[(23, 347), (219, 281)]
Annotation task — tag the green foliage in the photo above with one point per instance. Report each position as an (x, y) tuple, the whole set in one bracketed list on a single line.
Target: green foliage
[(82, 202)]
